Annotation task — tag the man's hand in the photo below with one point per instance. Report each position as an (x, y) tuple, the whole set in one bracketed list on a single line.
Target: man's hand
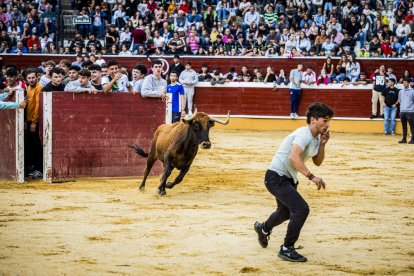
[(33, 127), (117, 76), (93, 91), (325, 137), (319, 182), (22, 104), (163, 96)]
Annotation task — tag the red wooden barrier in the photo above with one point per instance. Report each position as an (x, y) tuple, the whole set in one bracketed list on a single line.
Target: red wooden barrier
[(8, 144), (88, 134), (263, 101)]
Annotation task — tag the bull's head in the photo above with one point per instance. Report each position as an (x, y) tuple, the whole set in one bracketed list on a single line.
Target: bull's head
[(200, 123)]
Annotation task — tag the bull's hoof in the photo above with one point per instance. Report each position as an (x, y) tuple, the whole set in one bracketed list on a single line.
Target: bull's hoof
[(162, 192), (169, 185), (142, 188)]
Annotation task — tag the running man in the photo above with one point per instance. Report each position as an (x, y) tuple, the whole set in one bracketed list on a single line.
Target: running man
[(281, 179)]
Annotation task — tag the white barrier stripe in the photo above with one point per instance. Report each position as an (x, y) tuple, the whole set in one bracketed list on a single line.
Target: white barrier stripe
[(47, 136), (20, 138)]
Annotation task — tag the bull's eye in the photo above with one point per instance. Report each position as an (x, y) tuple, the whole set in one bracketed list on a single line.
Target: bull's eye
[(196, 126)]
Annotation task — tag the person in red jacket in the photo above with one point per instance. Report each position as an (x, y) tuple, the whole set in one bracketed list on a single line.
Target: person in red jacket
[(33, 39), (386, 47)]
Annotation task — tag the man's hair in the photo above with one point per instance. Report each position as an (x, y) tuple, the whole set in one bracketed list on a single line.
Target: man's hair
[(318, 110), (85, 73), (174, 72), (156, 61), (406, 79), (74, 67), (87, 63), (141, 68), (104, 65), (66, 62), (50, 62), (29, 71), (57, 70), (12, 72), (95, 67), (112, 63)]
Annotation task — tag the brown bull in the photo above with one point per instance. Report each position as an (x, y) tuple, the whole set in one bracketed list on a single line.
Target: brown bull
[(176, 146)]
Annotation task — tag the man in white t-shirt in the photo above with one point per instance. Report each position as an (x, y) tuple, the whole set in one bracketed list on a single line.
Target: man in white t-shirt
[(115, 81), (159, 41), (281, 179)]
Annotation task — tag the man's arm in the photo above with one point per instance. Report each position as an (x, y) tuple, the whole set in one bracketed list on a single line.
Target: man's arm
[(299, 165)]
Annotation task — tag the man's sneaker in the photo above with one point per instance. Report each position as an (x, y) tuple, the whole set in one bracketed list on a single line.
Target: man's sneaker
[(402, 141), (262, 236), (37, 175), (386, 133), (373, 116), (291, 255), (392, 133), (292, 115), (296, 115)]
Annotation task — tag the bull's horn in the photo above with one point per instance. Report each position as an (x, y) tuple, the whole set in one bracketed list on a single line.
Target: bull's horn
[(190, 117), (219, 121)]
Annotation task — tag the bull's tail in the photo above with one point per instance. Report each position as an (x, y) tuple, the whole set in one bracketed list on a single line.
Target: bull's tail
[(139, 150)]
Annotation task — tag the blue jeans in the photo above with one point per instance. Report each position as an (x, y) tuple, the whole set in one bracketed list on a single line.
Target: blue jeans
[(222, 14), (389, 114), (295, 95)]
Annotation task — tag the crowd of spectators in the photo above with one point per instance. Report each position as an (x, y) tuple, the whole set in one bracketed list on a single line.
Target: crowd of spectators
[(28, 26), (371, 28)]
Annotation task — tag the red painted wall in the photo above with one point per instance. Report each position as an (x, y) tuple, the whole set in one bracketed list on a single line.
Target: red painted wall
[(91, 132), (265, 101), (8, 144)]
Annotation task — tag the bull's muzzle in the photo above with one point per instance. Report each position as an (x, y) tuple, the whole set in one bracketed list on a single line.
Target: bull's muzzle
[(206, 145)]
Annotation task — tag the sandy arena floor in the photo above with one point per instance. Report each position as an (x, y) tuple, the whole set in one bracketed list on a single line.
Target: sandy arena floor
[(363, 223)]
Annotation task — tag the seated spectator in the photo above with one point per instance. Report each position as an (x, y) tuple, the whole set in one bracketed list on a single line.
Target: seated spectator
[(19, 48), (125, 37), (217, 77), (51, 48), (33, 40), (328, 67), (362, 52), (222, 10), (258, 77), (270, 17), (118, 18), (98, 17), (323, 78), (82, 84), (47, 27), (48, 13), (328, 45), (93, 41), (362, 79), (352, 68), (194, 18), (251, 17), (111, 37), (181, 21), (386, 47), (44, 41), (78, 62), (125, 51), (282, 78), (309, 76), (270, 75), (375, 45), (396, 45)]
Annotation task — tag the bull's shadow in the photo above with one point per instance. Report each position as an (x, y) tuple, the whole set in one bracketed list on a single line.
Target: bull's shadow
[(176, 146)]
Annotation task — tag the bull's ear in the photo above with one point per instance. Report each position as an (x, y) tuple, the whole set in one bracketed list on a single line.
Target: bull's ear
[(211, 123)]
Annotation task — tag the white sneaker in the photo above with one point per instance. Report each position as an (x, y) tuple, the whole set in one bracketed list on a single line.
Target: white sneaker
[(296, 115), (292, 115)]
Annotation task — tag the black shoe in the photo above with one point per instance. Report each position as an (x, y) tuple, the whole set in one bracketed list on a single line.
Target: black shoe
[(403, 141), (291, 255), (411, 142), (373, 116), (262, 236)]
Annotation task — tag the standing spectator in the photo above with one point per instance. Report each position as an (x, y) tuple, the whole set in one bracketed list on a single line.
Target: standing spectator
[(139, 37), (138, 75), (154, 85), (379, 78), (389, 100), (295, 90), (34, 156), (96, 76), (47, 77), (115, 81), (406, 101), (82, 84), (188, 78), (56, 83), (177, 65), (309, 76), (176, 91)]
